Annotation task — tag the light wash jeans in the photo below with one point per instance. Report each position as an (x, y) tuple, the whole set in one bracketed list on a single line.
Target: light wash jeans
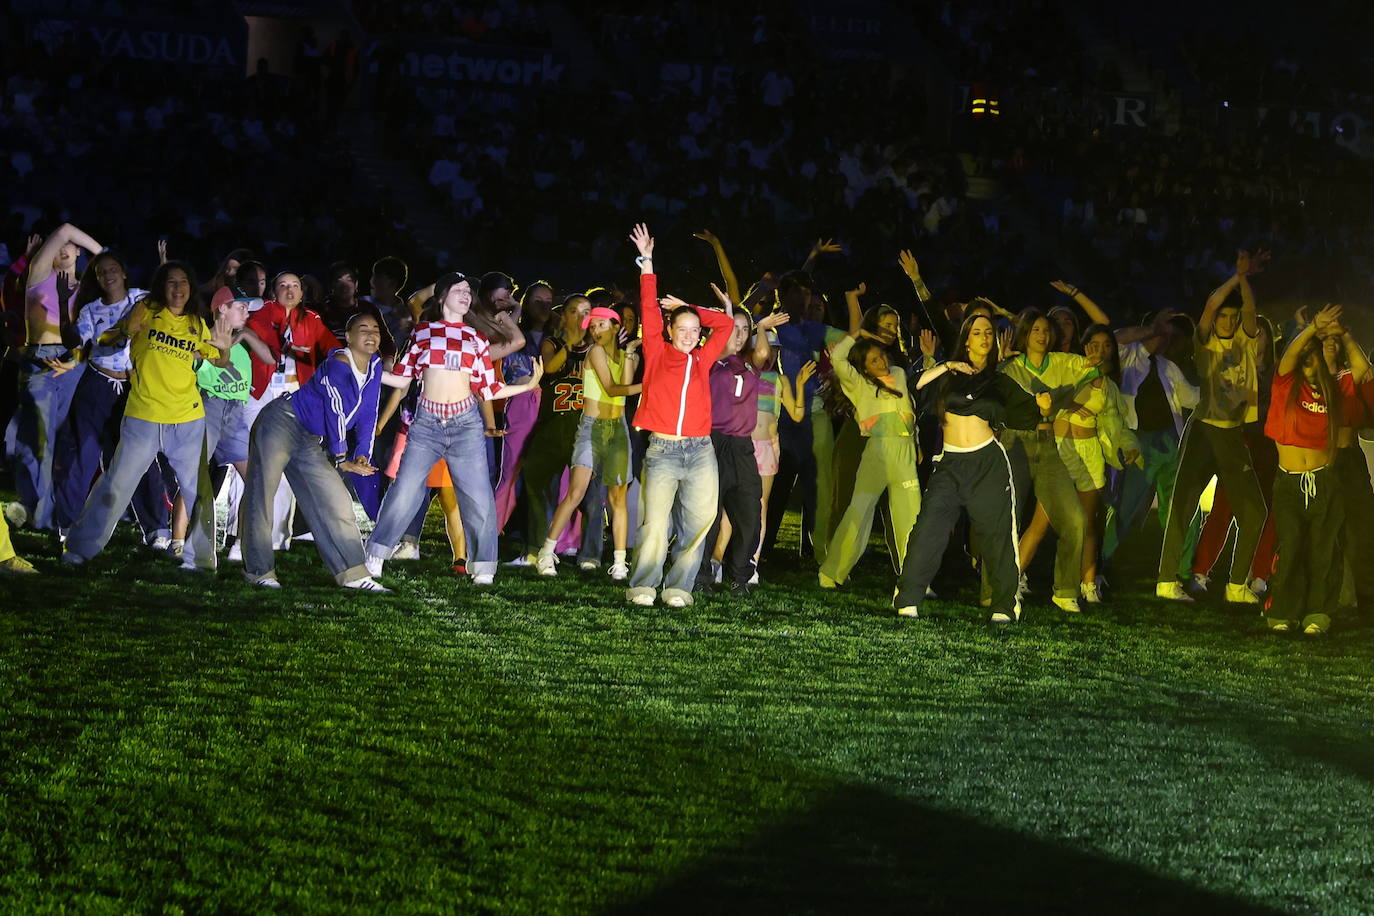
[(140, 441), (44, 399), (680, 487), (459, 441), (280, 446)]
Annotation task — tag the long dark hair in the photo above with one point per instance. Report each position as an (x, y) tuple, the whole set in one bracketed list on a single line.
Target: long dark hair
[(157, 291), (1326, 384), (961, 355), (896, 351), (480, 315), (858, 356)]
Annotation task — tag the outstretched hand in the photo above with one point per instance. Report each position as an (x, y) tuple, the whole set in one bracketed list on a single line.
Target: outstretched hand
[(1327, 319), (961, 367), (859, 290), (723, 296), (162, 251), (826, 246), (769, 322), (928, 342), (707, 236), (672, 301), (642, 240), (908, 264), (1006, 342), (360, 466), (807, 370), (1067, 289)]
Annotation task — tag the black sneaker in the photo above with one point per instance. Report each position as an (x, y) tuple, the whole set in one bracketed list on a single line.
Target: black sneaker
[(738, 589)]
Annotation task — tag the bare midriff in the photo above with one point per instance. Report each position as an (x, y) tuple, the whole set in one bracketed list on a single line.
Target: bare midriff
[(446, 386), (1296, 459), (966, 432)]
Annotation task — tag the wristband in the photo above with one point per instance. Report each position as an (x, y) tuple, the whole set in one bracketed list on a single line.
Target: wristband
[(338, 459), (642, 259)]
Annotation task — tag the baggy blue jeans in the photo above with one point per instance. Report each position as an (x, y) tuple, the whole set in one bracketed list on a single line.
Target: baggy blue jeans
[(680, 489), (461, 443)]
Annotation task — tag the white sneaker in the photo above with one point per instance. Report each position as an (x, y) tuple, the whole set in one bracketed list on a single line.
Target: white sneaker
[(406, 550), (307, 536), (1240, 594), (368, 584), (190, 566), (1068, 605), (525, 559), (177, 546), (826, 581), (676, 601), (1090, 593), (1171, 591), (1258, 585), (16, 514), (911, 610), (236, 552), (546, 564), (620, 572), (717, 573), (267, 582), (161, 543), (374, 565), (644, 600), (1022, 586), (483, 578), (1199, 582), (754, 579), (588, 565)]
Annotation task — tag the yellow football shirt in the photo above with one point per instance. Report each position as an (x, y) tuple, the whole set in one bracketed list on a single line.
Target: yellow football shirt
[(163, 389)]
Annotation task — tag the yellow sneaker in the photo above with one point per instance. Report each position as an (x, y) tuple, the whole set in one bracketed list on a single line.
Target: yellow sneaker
[(16, 566)]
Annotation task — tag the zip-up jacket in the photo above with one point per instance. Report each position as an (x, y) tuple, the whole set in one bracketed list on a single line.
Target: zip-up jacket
[(301, 334), (331, 404), (676, 398)]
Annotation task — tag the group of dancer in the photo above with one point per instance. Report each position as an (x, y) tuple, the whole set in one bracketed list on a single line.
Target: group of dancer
[(685, 430)]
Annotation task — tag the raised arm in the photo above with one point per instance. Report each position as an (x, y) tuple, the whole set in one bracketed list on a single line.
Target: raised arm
[(1095, 314), (941, 326), (40, 265), (1323, 322), (790, 396), (601, 365), (516, 341), (822, 246), (851, 303), (762, 355), (727, 273), (1247, 264), (1357, 360), (650, 315)]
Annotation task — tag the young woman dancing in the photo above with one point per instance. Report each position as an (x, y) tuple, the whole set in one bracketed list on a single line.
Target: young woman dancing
[(1309, 514), (304, 436), (165, 412), (679, 477), (602, 447), (887, 423), (972, 401), (454, 362)]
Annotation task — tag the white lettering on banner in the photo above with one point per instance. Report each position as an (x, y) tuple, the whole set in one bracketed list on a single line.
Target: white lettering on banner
[(505, 71), (1129, 107), (171, 47)]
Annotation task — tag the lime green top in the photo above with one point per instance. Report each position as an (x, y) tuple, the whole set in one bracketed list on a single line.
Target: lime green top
[(591, 383)]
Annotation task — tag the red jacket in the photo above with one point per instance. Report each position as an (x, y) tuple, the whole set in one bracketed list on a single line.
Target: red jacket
[(311, 341), (676, 399)]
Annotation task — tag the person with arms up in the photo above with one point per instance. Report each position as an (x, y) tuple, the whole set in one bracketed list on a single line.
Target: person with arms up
[(679, 478), (1226, 347)]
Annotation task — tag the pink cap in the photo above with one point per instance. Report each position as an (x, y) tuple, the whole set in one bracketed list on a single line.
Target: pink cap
[(222, 295), (600, 312)]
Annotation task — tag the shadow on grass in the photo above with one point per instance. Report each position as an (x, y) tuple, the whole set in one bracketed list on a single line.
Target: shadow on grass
[(862, 851)]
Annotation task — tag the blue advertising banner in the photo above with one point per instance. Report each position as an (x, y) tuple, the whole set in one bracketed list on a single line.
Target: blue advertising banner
[(219, 44)]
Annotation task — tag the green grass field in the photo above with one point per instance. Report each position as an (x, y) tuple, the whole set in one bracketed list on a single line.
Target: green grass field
[(172, 745)]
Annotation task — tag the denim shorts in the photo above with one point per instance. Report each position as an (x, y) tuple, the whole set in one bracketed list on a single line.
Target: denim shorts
[(604, 446)]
